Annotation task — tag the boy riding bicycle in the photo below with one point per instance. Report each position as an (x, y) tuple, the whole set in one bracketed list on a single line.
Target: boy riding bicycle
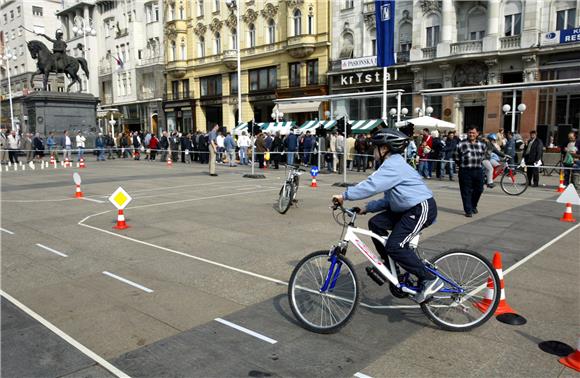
[(406, 208)]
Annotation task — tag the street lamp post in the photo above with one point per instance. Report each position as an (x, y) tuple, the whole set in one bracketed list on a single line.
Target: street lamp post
[(507, 109), (233, 5), (399, 114), (7, 56), (84, 26)]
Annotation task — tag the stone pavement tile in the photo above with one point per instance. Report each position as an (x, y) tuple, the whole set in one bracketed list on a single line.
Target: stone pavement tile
[(94, 371)]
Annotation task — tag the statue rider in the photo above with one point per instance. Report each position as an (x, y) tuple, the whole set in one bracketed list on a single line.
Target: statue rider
[(58, 49)]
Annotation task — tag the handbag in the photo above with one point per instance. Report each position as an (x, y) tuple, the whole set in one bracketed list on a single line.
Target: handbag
[(568, 159)]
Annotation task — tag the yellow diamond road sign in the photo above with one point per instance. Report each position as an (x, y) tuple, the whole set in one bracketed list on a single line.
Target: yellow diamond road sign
[(120, 198)]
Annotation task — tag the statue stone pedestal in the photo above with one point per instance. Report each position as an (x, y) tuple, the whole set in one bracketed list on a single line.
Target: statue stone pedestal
[(59, 111)]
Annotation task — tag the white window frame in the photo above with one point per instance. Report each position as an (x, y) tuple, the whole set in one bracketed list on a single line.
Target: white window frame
[(271, 31), (566, 18), (251, 35), (200, 9), (201, 47), (218, 43), (297, 22), (310, 24), (183, 48)]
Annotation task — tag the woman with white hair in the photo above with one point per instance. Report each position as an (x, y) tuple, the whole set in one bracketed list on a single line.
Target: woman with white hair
[(243, 144)]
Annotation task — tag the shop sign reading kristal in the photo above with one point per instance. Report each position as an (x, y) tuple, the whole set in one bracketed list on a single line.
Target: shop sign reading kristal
[(367, 61), (363, 78), (561, 37)]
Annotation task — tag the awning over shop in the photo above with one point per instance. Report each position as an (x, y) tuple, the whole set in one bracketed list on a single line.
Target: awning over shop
[(364, 126), (241, 127), (272, 127), (313, 125), (299, 107), (426, 122)]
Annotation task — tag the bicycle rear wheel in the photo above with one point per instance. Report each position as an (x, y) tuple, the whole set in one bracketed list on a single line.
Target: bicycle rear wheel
[(462, 310), (285, 197), (514, 182), (329, 310)]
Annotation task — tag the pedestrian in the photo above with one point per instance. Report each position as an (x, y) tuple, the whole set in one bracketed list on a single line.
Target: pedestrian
[(230, 146), (509, 147), (533, 153), (174, 146), (261, 149), (184, 146), (164, 146), (492, 158), (469, 156), (52, 146), (80, 141), (243, 145), (340, 151), (26, 146), (307, 145), (360, 147), (38, 145), (436, 154), (67, 144), (13, 146), (111, 146), (220, 147), (3, 146), (350, 141), (291, 146), (146, 142), (100, 146), (213, 149), (332, 149), (204, 147), (153, 146), (137, 146), (276, 148), (370, 152), (448, 150), (423, 153), (570, 159)]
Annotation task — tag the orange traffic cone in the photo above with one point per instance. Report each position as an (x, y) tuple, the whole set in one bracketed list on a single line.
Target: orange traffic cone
[(82, 164), (313, 184), (568, 216), (503, 307), (169, 162), (572, 360), (78, 193), (561, 187), (121, 224)]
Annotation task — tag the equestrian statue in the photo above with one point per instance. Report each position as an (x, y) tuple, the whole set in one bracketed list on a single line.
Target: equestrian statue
[(57, 61)]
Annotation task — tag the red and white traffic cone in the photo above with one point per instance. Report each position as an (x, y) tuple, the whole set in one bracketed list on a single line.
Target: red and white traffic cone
[(568, 216), (561, 187), (313, 184), (67, 163), (82, 163), (503, 307), (121, 224), (573, 359), (169, 161), (78, 192), (52, 161)]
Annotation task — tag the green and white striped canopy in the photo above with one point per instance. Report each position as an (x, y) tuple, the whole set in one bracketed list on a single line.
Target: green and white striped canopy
[(313, 125), (364, 126)]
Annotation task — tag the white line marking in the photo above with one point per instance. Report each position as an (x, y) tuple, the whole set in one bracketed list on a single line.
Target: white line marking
[(6, 231), (245, 330), (83, 349), (52, 250), (539, 250), (145, 289), (361, 375), (93, 200)]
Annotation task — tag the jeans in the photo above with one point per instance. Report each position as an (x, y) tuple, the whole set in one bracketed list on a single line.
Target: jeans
[(54, 152), (67, 153), (444, 164), (361, 162), (291, 157), (244, 155), (232, 157), (101, 154), (81, 153), (424, 168)]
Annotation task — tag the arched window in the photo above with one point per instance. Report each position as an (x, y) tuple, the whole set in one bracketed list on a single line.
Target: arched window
[(173, 51), (183, 50), (297, 22), (405, 36), (271, 31), (432, 28), (234, 40), (218, 43), (310, 24), (252, 35), (512, 18), (347, 46), (476, 24), (373, 38), (181, 13), (171, 14), (201, 47)]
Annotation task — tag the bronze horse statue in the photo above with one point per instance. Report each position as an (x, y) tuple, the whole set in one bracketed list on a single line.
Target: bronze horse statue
[(46, 63)]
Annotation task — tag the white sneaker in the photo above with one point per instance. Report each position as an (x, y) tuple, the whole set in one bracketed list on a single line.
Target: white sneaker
[(430, 287)]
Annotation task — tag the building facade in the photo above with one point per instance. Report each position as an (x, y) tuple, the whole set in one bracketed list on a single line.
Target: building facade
[(456, 44), (19, 20), (284, 50), (130, 58)]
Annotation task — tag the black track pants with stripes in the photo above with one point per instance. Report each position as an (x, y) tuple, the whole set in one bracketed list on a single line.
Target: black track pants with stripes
[(404, 227)]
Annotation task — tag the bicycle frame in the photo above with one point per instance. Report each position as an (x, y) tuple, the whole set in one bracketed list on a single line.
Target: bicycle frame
[(389, 273)]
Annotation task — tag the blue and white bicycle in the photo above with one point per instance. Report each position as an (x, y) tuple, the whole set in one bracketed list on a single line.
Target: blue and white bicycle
[(324, 287)]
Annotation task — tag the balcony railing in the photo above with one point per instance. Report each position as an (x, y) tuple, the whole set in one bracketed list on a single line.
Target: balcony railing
[(105, 69), (151, 61), (369, 7), (429, 52), (173, 96), (466, 47), (513, 42), (403, 56), (107, 98)]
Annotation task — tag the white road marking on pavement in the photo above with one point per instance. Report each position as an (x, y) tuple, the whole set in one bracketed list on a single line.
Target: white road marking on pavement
[(6, 231), (52, 250), (145, 289), (83, 349), (361, 375), (245, 330), (92, 199), (522, 261)]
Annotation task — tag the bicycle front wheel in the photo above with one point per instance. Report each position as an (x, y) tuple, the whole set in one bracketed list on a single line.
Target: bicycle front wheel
[(323, 295), (285, 198), (468, 299), (514, 182)]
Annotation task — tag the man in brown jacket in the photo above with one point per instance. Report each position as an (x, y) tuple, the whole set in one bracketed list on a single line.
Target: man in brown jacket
[(261, 149)]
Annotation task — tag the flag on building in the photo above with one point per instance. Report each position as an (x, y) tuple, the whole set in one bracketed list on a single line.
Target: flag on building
[(385, 17), (119, 61)]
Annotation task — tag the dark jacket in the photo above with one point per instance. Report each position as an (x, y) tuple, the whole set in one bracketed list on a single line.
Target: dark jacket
[(261, 144), (164, 142), (277, 145), (291, 142), (536, 151), (37, 144), (450, 146), (510, 148), (100, 142)]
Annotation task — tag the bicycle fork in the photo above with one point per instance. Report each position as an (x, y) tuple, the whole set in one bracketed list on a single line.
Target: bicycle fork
[(333, 273)]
